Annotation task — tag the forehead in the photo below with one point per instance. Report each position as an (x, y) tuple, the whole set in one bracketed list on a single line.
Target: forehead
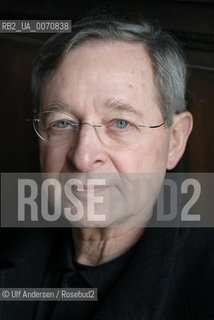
[(100, 70)]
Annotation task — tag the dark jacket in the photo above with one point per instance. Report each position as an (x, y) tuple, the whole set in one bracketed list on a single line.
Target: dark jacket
[(170, 276)]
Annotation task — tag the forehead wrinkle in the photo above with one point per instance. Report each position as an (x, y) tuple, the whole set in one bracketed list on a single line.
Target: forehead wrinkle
[(121, 105)]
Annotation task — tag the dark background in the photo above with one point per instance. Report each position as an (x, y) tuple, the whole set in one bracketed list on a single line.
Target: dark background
[(191, 22)]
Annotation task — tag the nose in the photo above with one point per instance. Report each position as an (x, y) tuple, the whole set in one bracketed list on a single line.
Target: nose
[(88, 153)]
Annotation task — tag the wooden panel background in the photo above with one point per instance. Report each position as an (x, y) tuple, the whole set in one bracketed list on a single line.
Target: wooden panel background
[(201, 144), (19, 151)]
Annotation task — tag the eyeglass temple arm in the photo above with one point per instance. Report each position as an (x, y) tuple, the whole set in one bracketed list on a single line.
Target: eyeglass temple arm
[(157, 126)]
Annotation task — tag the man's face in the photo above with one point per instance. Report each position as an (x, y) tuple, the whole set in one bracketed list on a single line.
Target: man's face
[(90, 76)]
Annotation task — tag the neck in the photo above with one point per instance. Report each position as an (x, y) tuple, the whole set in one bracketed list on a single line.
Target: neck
[(97, 246)]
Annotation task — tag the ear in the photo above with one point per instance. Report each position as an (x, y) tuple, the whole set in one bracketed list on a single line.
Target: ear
[(179, 133)]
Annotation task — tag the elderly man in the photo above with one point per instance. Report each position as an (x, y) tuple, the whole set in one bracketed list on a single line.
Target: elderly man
[(110, 101)]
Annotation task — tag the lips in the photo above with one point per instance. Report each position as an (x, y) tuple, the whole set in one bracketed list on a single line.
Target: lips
[(85, 189)]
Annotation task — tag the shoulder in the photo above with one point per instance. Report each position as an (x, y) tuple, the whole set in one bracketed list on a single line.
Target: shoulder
[(195, 269), (20, 245), (196, 243)]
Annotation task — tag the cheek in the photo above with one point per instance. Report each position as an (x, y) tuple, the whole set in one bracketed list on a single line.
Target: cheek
[(149, 157), (157, 155), (52, 159)]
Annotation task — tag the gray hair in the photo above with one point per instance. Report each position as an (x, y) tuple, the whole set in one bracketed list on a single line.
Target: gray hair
[(165, 54)]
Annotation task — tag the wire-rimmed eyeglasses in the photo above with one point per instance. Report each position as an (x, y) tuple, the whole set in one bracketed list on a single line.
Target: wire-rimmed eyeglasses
[(58, 127)]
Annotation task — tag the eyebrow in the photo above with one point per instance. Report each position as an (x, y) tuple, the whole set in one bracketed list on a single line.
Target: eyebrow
[(58, 105), (111, 104), (121, 105)]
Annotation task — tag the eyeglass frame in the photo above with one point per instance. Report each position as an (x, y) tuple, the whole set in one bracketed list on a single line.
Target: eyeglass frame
[(95, 126)]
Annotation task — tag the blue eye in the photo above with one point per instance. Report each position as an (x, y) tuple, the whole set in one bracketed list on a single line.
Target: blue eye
[(121, 124), (62, 124)]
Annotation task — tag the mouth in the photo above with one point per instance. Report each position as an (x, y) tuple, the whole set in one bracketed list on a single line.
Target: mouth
[(89, 190)]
